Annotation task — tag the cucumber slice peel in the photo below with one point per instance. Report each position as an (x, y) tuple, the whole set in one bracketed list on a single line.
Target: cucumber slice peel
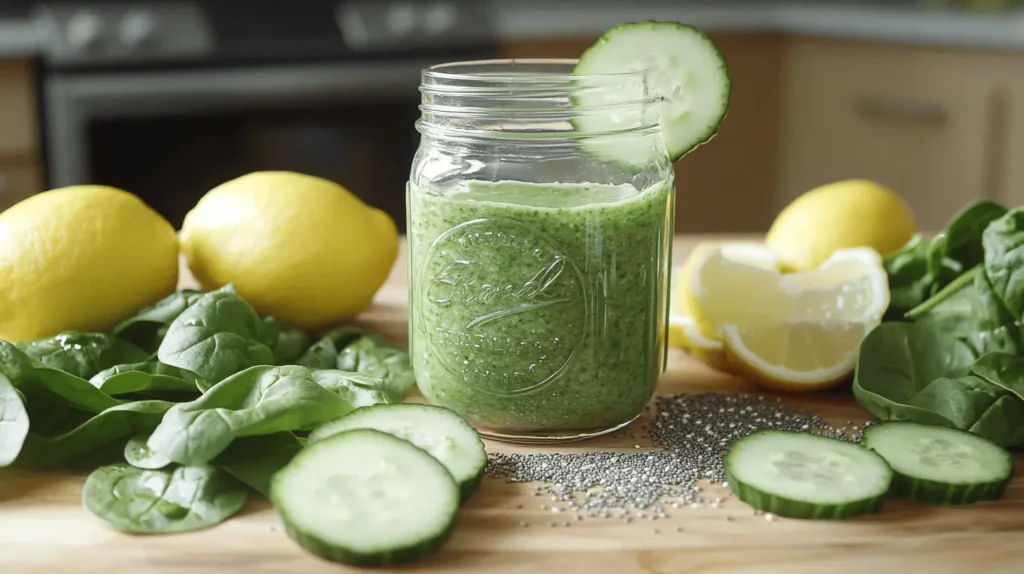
[(365, 497), (437, 430), (803, 475), (941, 465), (686, 70)]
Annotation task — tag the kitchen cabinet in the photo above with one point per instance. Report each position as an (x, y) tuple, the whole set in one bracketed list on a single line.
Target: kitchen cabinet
[(929, 123), (20, 170), (18, 181), (728, 184)]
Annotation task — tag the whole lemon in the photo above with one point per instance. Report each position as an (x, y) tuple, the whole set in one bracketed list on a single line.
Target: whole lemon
[(82, 257), (839, 215), (295, 246)]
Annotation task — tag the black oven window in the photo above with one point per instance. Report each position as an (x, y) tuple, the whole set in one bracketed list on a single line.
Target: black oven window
[(171, 162)]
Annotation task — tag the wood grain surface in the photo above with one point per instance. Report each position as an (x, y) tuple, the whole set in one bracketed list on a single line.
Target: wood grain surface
[(43, 527)]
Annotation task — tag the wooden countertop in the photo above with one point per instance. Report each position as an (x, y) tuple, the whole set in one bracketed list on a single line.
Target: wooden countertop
[(42, 524)]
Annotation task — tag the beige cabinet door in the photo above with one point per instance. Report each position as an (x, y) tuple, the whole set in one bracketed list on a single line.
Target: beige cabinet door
[(18, 181), (927, 123)]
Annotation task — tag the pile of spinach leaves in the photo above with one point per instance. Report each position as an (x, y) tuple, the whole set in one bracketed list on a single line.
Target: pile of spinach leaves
[(951, 351), (200, 398)]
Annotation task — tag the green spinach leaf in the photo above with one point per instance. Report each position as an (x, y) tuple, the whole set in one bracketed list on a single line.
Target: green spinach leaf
[(216, 337), (969, 309), (162, 501), (897, 361), (254, 460), (146, 329), (13, 361), (116, 423), (13, 422), (371, 356), (82, 354), (142, 377), (1003, 370), (1004, 260), (324, 353), (909, 279), (258, 401), (137, 454), (358, 390), (291, 344), (961, 401)]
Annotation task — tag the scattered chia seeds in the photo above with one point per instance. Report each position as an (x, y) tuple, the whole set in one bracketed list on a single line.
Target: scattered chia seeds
[(692, 432)]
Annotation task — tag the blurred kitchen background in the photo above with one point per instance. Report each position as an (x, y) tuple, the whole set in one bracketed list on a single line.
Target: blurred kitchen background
[(169, 98)]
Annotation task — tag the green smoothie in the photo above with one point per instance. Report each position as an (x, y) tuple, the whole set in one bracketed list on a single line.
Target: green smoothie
[(539, 308)]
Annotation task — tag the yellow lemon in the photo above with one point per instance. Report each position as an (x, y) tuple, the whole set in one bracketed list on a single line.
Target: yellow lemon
[(840, 215), (82, 257), (298, 247)]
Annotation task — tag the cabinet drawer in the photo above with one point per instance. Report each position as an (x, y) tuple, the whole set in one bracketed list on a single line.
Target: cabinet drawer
[(919, 121), (18, 181), (18, 133)]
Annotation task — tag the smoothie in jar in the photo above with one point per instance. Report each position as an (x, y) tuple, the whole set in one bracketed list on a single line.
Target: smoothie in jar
[(539, 308)]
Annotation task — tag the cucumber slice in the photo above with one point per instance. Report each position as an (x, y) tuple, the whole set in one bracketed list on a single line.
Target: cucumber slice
[(803, 475), (940, 465), (437, 430), (688, 73), (366, 498)]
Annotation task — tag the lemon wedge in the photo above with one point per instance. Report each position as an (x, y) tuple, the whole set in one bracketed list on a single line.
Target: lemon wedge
[(796, 355)]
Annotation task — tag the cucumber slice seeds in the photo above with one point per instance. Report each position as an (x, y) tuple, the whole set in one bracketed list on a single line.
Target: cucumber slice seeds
[(365, 497), (687, 72), (941, 465), (803, 475), (437, 430)]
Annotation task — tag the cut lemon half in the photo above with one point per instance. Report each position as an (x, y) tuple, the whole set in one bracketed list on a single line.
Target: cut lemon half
[(850, 286), (748, 252), (726, 286), (689, 338), (796, 355)]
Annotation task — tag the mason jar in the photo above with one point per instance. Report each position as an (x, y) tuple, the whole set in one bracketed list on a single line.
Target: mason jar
[(541, 210)]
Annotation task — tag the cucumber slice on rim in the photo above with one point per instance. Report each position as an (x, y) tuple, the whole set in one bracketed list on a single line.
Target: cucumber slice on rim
[(437, 430), (803, 475), (367, 498), (687, 72), (941, 465)]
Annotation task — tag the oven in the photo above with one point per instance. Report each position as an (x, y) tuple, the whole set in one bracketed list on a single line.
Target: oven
[(169, 99)]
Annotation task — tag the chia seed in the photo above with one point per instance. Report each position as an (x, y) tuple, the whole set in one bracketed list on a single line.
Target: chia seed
[(692, 433)]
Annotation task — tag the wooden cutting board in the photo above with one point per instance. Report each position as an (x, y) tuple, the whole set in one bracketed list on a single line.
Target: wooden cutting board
[(43, 527)]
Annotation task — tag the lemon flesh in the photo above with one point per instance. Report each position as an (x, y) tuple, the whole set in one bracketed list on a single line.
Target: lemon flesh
[(298, 247), (840, 215), (81, 257)]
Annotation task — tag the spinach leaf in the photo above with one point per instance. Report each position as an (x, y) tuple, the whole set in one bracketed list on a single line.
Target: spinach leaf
[(358, 390), (324, 353), (897, 361), (142, 377), (13, 422), (969, 309), (115, 423), (146, 329), (909, 279), (1004, 260), (216, 337), (358, 351), (371, 356), (258, 401), (271, 329), (961, 401), (137, 454), (162, 501), (1003, 370), (13, 361), (254, 460), (961, 242), (82, 354), (1000, 423), (291, 344)]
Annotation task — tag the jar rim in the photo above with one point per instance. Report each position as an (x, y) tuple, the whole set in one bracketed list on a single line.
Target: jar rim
[(523, 74)]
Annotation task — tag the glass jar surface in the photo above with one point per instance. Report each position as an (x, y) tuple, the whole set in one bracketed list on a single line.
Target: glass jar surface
[(541, 209)]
